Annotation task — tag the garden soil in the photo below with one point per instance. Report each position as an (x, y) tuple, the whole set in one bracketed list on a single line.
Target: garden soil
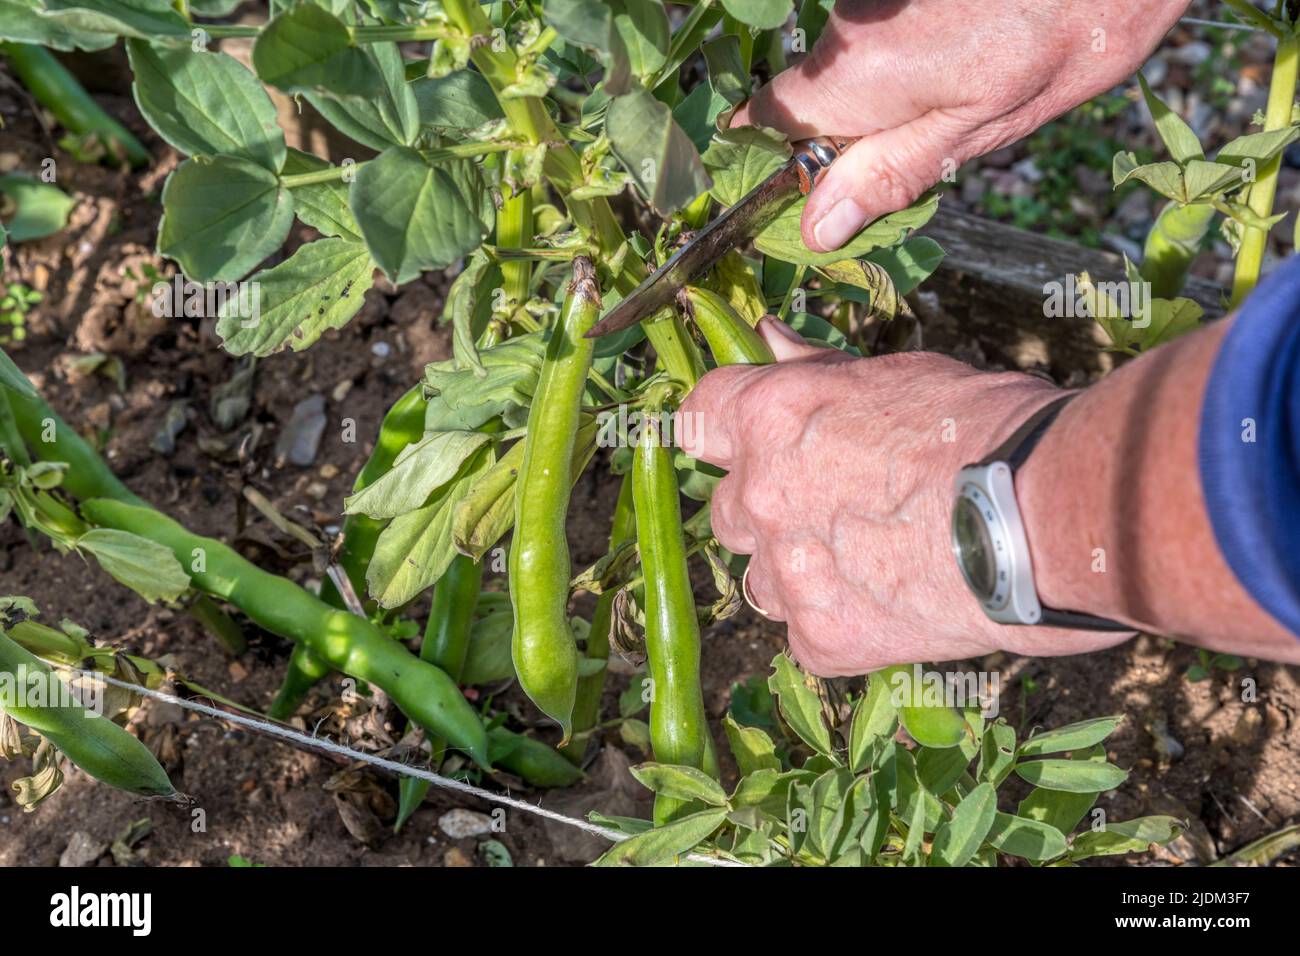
[(140, 383)]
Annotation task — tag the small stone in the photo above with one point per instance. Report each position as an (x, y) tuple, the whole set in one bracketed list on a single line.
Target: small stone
[(82, 850), (456, 857), (317, 490), (341, 390), (300, 440), (329, 470), (461, 824), (238, 672), (381, 349)]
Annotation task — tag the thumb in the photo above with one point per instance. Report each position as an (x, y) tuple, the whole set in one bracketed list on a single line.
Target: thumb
[(879, 174), (786, 344)]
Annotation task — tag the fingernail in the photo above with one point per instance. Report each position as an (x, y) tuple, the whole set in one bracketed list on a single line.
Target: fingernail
[(780, 328), (839, 225)]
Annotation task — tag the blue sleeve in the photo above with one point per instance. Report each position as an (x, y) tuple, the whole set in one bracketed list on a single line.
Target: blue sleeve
[(1249, 445)]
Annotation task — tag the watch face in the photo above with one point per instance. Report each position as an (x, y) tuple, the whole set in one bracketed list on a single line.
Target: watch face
[(974, 547)]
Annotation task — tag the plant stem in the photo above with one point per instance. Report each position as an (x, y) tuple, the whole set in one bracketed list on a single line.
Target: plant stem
[(515, 231), (1281, 98)]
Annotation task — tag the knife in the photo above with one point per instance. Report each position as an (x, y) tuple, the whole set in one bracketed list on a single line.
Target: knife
[(743, 220)]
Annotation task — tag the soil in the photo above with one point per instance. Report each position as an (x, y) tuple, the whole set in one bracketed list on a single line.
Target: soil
[(1196, 749)]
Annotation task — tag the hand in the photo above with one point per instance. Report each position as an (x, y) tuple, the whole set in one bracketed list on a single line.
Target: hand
[(930, 84), (840, 482)]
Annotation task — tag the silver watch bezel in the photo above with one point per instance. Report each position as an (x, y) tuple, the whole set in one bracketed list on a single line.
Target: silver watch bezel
[(991, 488)]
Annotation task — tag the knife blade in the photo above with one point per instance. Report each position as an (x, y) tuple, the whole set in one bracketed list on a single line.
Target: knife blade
[(743, 220)]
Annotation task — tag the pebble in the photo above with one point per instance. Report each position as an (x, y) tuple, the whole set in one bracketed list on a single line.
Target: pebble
[(461, 824), (300, 440), (381, 349), (329, 470), (456, 857), (317, 490), (82, 850)]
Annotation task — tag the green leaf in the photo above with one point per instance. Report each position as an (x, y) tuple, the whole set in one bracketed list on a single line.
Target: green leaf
[(415, 216), (459, 101), (1072, 776), (1028, 839), (468, 306), (753, 749), (1176, 134), (22, 23), (1130, 836), (939, 768), (39, 209), (414, 550), (306, 49), (959, 838), (997, 753), (319, 287), (222, 216), (654, 150), (781, 237), (643, 27), (1056, 807), (739, 159), (149, 19), (727, 73), (697, 113), (1258, 148), (205, 103), (874, 718), (1163, 321), (1203, 179), (764, 14), (465, 398), (1164, 177), (680, 783), (910, 263), (12, 377), (662, 844), (418, 469), (389, 117), (323, 206), (1075, 736), (590, 25), (801, 707), (146, 567)]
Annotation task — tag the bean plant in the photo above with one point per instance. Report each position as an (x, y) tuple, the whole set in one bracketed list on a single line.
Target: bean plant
[(548, 155)]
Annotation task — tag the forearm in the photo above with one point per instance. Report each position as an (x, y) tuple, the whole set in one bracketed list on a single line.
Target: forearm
[(1118, 522)]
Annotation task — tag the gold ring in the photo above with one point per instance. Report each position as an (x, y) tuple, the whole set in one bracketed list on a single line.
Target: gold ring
[(744, 590)]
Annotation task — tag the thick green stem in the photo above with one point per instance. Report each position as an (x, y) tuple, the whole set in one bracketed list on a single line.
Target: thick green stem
[(1281, 98), (515, 231), (58, 91)]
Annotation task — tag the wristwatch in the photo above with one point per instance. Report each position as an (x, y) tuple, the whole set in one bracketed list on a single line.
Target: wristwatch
[(988, 535)]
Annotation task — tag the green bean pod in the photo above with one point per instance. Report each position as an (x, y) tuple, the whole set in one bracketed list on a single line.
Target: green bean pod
[(536, 763), (937, 727), (731, 339), (543, 646), (58, 91), (1172, 244), (679, 729), (91, 741), (344, 641)]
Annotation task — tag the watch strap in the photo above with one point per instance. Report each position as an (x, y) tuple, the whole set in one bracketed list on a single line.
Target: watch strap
[(1015, 452)]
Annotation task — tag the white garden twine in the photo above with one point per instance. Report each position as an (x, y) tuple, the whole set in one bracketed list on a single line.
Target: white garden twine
[(312, 742)]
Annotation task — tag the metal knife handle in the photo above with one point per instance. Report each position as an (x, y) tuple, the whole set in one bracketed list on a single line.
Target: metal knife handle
[(814, 156)]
